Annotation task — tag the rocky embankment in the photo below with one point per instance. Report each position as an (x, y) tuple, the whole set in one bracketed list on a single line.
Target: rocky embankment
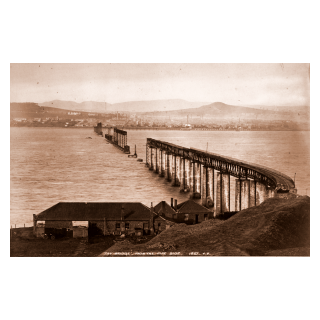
[(277, 227)]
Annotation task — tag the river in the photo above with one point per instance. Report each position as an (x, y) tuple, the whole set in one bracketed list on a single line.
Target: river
[(48, 165)]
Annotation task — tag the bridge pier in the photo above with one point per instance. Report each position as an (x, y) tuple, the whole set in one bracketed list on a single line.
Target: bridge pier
[(250, 193), (253, 193), (261, 193), (245, 194), (210, 187), (271, 193), (174, 169), (154, 160), (166, 166), (169, 167), (156, 167), (187, 164), (159, 161), (191, 177), (242, 200), (196, 180), (178, 171), (238, 195), (182, 174), (162, 163), (223, 193), (151, 159), (204, 185), (147, 156)]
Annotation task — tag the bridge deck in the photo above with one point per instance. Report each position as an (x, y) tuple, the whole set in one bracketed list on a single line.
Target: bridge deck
[(279, 179)]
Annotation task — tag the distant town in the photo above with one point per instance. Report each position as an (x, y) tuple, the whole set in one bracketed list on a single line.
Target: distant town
[(33, 115)]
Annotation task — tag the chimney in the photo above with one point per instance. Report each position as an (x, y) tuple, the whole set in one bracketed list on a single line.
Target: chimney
[(175, 204), (171, 202), (151, 219)]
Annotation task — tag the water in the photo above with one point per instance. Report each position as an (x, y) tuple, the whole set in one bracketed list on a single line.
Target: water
[(49, 165)]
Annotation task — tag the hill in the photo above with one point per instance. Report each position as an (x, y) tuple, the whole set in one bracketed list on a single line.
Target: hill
[(86, 106), (30, 110), (33, 110), (219, 107), (156, 105), (219, 110), (276, 227), (294, 109), (129, 106), (175, 108), (226, 109)]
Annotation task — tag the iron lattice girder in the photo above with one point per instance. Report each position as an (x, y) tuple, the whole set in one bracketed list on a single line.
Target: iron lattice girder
[(234, 167), (120, 131)]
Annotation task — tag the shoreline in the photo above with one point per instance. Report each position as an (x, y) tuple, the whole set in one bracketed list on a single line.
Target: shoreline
[(163, 129)]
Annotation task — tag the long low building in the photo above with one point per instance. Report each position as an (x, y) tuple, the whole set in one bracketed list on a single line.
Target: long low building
[(103, 218)]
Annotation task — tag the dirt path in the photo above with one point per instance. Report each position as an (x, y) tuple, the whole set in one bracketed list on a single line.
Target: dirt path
[(81, 248)]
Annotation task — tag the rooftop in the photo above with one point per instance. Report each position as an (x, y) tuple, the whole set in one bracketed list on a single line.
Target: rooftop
[(165, 209), (84, 211), (190, 206)]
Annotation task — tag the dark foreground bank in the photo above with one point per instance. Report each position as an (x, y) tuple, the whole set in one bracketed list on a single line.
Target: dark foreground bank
[(277, 227), (24, 244)]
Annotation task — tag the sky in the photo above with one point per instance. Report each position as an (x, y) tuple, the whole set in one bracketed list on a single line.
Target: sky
[(238, 84)]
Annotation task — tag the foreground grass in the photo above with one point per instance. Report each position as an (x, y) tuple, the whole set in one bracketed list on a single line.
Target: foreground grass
[(20, 247), (24, 244)]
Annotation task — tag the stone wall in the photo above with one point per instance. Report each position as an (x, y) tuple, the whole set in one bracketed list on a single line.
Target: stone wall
[(80, 232), (201, 217), (111, 226), (39, 231)]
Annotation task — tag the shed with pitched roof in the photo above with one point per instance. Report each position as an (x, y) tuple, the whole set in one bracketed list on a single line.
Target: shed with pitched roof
[(188, 212), (103, 217), (192, 212)]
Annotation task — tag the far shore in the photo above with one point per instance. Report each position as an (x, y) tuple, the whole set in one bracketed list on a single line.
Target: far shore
[(164, 129)]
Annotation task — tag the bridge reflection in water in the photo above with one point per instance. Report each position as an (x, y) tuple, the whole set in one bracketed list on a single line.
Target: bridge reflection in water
[(193, 171)]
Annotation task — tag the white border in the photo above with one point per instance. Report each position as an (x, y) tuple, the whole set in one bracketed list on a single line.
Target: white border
[(144, 31)]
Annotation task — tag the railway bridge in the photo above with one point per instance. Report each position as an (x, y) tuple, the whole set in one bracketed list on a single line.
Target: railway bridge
[(193, 171)]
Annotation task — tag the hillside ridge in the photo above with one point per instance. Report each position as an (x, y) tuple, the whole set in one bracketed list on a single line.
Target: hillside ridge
[(276, 224)]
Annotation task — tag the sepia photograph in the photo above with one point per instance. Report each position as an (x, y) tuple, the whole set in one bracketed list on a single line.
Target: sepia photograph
[(158, 159), (160, 150)]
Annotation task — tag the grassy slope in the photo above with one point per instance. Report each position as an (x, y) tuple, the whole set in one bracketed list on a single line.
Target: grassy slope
[(275, 227), (24, 244), (22, 247)]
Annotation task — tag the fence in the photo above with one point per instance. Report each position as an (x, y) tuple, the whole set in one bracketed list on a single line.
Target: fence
[(20, 225)]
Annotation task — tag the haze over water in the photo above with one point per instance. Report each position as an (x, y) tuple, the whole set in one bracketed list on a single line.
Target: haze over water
[(49, 165)]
